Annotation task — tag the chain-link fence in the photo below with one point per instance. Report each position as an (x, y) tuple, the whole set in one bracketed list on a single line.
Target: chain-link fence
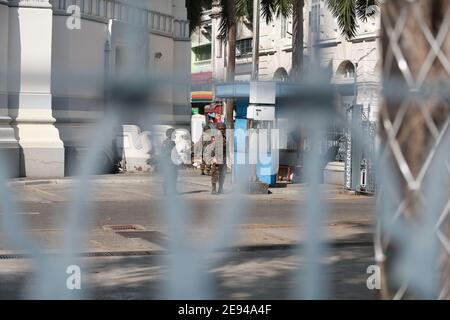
[(413, 233), (411, 175)]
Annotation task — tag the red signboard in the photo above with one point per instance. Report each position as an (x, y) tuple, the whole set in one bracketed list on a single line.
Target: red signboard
[(201, 78)]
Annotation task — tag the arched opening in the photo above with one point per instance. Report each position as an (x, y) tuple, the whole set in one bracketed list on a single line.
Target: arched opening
[(281, 75), (345, 71)]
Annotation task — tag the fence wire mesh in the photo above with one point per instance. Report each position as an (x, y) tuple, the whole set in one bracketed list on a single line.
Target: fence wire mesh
[(409, 175)]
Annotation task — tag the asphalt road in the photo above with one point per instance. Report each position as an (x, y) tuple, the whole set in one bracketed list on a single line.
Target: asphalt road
[(137, 199), (260, 274), (254, 268), (149, 213)]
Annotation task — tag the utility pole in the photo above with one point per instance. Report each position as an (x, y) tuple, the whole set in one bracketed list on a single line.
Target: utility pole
[(255, 53), (355, 83), (253, 124)]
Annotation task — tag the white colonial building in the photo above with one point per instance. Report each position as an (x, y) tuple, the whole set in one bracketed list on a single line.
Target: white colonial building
[(54, 56), (352, 65), (345, 59)]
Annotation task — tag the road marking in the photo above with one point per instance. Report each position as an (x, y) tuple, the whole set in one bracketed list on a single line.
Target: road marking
[(54, 196), (25, 213), (139, 193)]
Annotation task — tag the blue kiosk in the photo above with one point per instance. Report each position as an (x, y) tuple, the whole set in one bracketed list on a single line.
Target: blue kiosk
[(254, 101), (251, 97)]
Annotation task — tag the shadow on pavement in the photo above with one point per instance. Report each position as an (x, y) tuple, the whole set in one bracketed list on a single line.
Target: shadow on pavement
[(252, 274)]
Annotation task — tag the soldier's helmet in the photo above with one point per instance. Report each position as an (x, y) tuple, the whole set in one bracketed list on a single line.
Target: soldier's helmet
[(169, 132)]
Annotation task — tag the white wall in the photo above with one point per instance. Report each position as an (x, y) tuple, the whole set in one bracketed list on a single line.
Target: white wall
[(163, 6), (4, 13), (181, 93), (78, 65), (29, 61), (81, 54), (78, 62), (59, 72), (162, 68)]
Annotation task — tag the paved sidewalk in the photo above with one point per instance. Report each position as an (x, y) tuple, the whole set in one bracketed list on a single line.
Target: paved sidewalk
[(273, 219), (259, 261), (260, 274), (156, 240), (191, 185)]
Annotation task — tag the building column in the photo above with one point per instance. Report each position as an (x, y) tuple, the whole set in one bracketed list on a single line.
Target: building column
[(29, 88), (8, 143), (181, 64)]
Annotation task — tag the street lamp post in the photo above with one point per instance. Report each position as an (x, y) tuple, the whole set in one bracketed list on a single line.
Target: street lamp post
[(255, 66), (255, 52)]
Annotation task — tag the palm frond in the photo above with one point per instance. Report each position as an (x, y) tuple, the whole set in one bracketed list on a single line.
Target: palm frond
[(347, 13), (283, 8), (244, 8), (366, 9), (226, 18), (194, 12), (276, 8)]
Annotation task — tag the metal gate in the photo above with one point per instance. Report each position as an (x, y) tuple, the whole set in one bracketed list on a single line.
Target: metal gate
[(360, 159)]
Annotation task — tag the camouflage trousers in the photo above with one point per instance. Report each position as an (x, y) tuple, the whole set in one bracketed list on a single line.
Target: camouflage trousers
[(218, 172), (205, 169)]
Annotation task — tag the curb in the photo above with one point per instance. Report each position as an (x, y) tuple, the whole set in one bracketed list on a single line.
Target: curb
[(139, 253), (66, 181)]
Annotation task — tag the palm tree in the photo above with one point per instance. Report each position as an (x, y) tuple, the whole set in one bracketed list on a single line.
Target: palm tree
[(195, 9), (413, 136), (297, 38), (234, 11), (347, 13), (231, 12)]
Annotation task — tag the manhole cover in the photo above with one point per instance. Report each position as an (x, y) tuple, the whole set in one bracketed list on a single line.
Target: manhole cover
[(124, 227)]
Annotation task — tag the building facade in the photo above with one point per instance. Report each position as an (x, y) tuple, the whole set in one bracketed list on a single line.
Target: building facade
[(348, 60), (54, 56), (352, 65)]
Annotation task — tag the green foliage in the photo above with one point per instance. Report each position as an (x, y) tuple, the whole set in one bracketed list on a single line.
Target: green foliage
[(194, 12), (347, 13), (244, 9), (276, 8)]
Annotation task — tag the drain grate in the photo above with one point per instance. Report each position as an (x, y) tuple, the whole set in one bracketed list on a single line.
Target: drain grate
[(124, 227), (87, 254), (144, 253), (13, 256)]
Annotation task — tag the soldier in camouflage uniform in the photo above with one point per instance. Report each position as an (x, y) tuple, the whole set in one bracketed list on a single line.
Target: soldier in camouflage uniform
[(205, 142), (218, 163)]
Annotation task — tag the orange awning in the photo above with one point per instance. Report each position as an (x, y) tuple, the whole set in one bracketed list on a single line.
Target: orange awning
[(202, 96)]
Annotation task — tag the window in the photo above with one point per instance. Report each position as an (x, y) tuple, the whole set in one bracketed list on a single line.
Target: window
[(283, 27), (244, 47), (346, 70), (315, 18), (202, 53), (281, 75)]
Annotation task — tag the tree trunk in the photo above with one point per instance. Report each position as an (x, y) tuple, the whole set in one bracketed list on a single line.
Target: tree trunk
[(255, 53), (297, 39), (231, 62), (414, 137)]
